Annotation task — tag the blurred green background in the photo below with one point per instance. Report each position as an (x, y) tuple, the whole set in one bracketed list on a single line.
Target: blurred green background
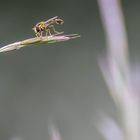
[(60, 82)]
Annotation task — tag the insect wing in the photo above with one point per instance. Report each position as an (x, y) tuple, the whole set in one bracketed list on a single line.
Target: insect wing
[(51, 20)]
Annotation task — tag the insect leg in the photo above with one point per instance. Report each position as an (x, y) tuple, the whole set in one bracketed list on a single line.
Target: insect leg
[(52, 26), (48, 32), (41, 34), (38, 34)]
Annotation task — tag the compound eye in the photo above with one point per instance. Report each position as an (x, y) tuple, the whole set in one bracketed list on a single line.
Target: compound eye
[(37, 29)]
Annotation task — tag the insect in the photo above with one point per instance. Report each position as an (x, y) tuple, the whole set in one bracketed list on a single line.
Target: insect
[(44, 27)]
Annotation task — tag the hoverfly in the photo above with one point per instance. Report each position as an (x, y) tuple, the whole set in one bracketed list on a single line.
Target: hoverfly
[(44, 26)]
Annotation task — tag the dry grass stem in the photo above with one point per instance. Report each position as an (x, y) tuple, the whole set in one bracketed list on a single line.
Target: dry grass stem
[(38, 40)]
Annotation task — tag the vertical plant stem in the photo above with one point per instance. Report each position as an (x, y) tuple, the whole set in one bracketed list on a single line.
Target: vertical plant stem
[(117, 53)]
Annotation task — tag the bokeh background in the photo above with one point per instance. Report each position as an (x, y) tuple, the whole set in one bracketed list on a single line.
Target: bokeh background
[(60, 82)]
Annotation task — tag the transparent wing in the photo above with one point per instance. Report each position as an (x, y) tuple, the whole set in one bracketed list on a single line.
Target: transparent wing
[(51, 20)]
